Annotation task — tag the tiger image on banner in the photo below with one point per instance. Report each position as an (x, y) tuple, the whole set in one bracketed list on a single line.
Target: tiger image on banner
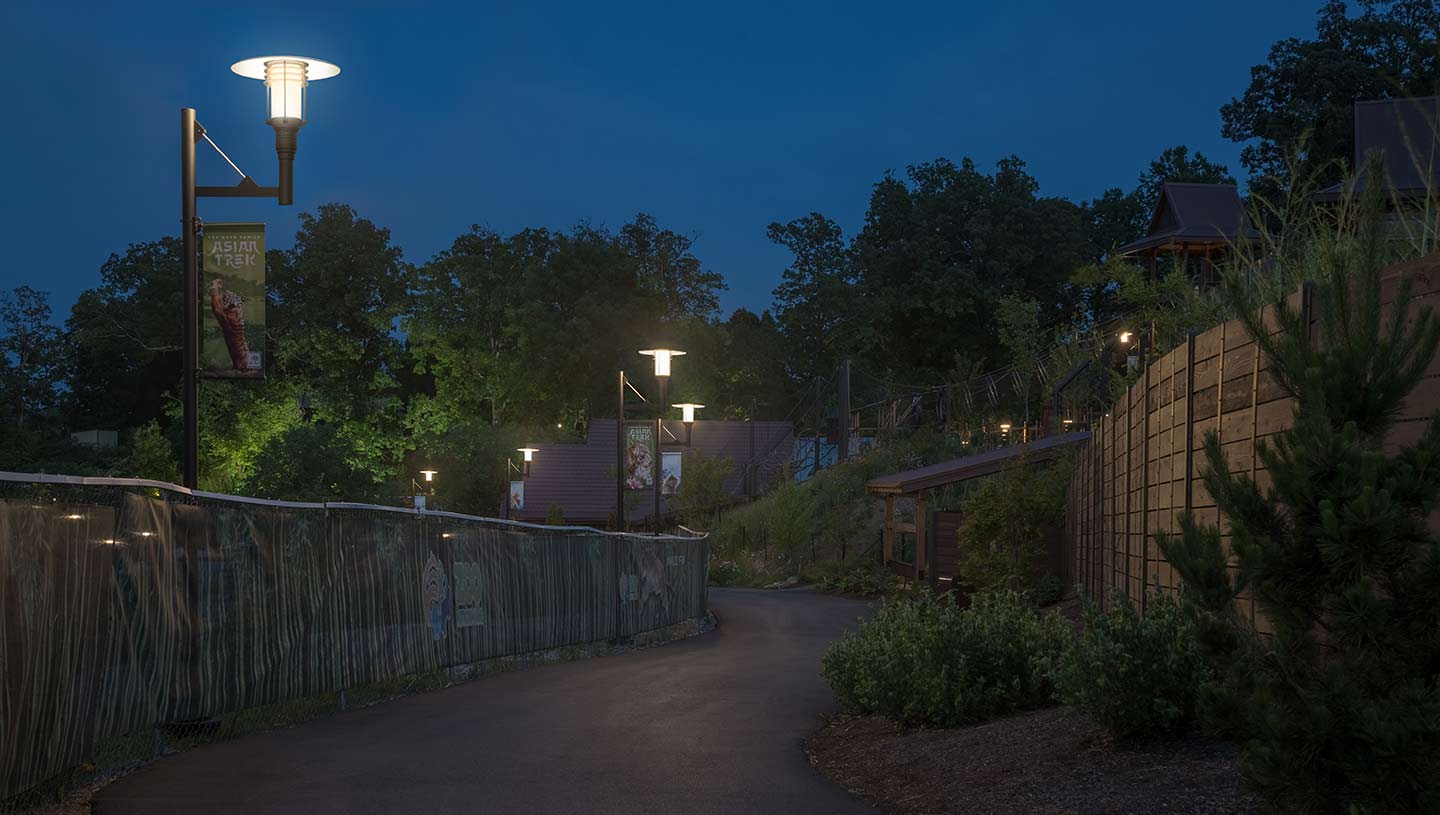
[(435, 586)]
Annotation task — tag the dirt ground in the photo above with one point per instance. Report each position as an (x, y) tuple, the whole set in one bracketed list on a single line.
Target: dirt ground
[(1044, 762)]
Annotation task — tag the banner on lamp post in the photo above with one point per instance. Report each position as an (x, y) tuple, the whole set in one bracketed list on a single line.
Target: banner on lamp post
[(232, 308), (671, 465), (517, 494), (639, 456)]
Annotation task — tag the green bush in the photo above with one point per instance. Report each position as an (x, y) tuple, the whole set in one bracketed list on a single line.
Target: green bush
[(1135, 674), (924, 660), (866, 580), (726, 573), (1006, 519)]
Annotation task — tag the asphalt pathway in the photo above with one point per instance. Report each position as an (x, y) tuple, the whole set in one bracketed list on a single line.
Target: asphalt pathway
[(712, 724)]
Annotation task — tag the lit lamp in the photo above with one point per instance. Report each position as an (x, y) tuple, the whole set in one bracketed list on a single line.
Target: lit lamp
[(687, 415), (285, 81), (1004, 427), (429, 475), (1125, 337), (662, 358), (527, 456)]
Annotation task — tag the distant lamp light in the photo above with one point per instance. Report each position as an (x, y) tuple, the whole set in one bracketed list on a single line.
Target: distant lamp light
[(1125, 337), (1004, 427), (687, 411), (74, 516), (527, 455), (1068, 421), (429, 474), (662, 359)]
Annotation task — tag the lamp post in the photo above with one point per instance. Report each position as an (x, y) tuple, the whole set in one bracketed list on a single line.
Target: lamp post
[(286, 78), (420, 492), (662, 357), (527, 455), (687, 417)]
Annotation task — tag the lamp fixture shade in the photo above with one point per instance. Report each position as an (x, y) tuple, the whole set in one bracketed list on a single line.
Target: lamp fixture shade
[(429, 474), (687, 411), (528, 453), (286, 78), (662, 359)]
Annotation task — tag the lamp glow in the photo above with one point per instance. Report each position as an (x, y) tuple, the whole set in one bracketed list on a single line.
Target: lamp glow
[(687, 411), (429, 474), (528, 453), (662, 359), (285, 78), (1005, 427), (1125, 336)]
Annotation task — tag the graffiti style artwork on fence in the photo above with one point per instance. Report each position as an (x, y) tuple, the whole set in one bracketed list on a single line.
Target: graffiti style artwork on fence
[(127, 605), (1141, 469)]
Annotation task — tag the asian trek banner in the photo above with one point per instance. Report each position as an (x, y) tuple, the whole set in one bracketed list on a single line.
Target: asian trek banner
[(232, 340), (671, 465), (639, 456)]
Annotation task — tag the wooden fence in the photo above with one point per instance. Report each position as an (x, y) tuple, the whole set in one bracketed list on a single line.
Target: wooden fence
[(1141, 468)]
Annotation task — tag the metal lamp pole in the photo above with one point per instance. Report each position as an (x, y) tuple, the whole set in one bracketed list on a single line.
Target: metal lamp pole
[(662, 357), (285, 80)]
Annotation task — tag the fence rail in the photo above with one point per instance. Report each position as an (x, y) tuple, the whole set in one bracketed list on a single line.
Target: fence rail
[(126, 605), (1141, 469)]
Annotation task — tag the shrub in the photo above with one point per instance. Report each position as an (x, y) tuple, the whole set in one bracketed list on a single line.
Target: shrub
[(866, 580), (726, 573), (924, 660), (1135, 674), (1005, 521), (1337, 705)]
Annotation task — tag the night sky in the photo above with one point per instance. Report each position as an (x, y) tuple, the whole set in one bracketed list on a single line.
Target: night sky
[(717, 120)]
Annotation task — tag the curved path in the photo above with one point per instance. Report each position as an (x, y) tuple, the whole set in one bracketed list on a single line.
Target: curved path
[(709, 724)]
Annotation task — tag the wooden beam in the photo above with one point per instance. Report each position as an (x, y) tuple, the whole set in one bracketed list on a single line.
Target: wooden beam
[(889, 535)]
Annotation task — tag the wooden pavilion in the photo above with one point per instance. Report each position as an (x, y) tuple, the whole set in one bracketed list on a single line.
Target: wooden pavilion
[(936, 545), (1197, 225)]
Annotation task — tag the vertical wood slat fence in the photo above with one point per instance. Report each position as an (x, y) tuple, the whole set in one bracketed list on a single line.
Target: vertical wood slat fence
[(1141, 468)]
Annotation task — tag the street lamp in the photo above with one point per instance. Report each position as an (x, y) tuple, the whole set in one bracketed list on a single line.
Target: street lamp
[(286, 79), (420, 492), (687, 416), (662, 357), (527, 455)]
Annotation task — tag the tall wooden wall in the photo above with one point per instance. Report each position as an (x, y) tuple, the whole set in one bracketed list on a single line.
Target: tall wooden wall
[(1141, 468)]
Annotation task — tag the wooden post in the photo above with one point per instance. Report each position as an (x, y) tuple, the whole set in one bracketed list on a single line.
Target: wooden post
[(889, 544), (921, 521)]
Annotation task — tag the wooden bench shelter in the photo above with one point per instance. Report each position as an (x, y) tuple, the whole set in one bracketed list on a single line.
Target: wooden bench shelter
[(936, 548)]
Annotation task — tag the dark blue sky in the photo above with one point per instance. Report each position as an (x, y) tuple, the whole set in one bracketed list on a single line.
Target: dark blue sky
[(716, 118)]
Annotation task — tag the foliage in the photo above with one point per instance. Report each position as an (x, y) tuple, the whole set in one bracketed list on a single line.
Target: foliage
[(1135, 674), (829, 517), (702, 489), (1178, 164), (939, 249), (1339, 707), (1004, 522), (866, 580), (151, 455), (726, 572), (815, 301), (32, 350), (924, 660), (1299, 100), (555, 515), (313, 462)]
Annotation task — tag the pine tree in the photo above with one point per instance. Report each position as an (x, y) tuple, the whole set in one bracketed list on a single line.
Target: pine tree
[(1338, 709)]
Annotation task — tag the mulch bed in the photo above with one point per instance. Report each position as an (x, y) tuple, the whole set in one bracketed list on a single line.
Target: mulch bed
[(1047, 762)]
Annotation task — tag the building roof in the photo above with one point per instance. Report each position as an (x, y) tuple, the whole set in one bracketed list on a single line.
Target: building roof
[(963, 469), (1199, 214), (1407, 133), (580, 477)]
